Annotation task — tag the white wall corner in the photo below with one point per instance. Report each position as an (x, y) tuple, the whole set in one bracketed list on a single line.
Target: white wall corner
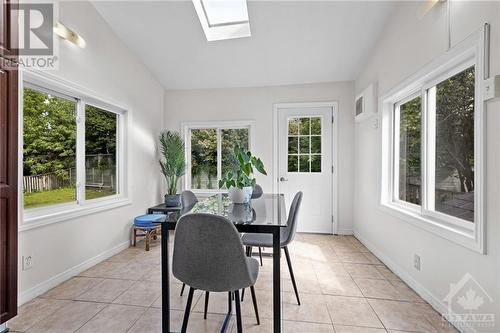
[(345, 231)]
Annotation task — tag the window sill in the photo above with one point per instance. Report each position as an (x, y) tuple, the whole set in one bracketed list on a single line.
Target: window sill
[(464, 237), (71, 212)]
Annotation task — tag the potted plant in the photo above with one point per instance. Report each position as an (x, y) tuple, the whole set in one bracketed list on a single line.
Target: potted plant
[(173, 164), (240, 181)]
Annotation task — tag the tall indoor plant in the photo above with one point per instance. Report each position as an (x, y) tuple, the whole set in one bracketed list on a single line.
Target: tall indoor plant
[(173, 164), (240, 181)]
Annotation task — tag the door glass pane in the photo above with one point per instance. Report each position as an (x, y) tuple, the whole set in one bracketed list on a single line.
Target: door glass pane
[(49, 161), (204, 158), (293, 126), (305, 126), (410, 123), (304, 163), (304, 143), (100, 152), (293, 143), (454, 191), (316, 144), (293, 163), (315, 163), (230, 138)]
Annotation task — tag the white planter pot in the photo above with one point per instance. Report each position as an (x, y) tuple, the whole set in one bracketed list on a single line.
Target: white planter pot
[(239, 196)]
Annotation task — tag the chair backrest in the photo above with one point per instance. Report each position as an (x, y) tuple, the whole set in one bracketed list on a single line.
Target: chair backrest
[(257, 191), (288, 233), (208, 254), (188, 199)]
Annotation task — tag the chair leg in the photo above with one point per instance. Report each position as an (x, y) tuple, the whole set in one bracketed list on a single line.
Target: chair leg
[(238, 311), (260, 255), (289, 262), (242, 294), (254, 300), (182, 289), (229, 302), (148, 239), (188, 310), (206, 304), (135, 237)]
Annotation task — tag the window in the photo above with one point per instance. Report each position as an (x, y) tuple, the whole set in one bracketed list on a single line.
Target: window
[(71, 151), (209, 152), (409, 181), (304, 144), (432, 148), (100, 152), (225, 12), (223, 19), (452, 109), (49, 135)]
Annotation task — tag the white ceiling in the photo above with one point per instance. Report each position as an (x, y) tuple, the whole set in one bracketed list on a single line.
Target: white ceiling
[(292, 42)]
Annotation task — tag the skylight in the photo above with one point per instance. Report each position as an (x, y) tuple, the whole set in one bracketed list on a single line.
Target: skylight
[(223, 19)]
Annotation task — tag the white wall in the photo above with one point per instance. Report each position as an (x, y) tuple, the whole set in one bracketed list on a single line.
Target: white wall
[(257, 104), (405, 46), (108, 68)]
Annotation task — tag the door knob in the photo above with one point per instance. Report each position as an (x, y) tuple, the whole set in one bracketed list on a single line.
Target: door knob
[(283, 179)]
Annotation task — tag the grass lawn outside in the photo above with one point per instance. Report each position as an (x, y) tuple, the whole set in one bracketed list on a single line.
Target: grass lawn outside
[(60, 195)]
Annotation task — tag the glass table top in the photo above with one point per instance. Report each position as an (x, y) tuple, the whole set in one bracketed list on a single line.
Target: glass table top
[(269, 209)]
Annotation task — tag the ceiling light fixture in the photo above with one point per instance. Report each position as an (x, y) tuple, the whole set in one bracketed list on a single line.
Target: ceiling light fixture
[(223, 19), (66, 33)]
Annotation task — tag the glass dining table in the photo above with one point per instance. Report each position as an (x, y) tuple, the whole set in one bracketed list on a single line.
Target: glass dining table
[(266, 214)]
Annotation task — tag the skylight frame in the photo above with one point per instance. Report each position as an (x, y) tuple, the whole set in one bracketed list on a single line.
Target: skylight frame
[(221, 31)]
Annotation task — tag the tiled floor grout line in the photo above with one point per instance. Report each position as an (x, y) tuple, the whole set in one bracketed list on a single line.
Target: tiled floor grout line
[(364, 297), (135, 321), (90, 317)]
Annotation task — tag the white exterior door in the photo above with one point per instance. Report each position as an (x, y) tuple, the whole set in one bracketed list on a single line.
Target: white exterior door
[(305, 163)]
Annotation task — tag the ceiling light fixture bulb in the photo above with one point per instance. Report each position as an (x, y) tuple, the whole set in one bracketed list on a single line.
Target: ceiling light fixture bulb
[(66, 33)]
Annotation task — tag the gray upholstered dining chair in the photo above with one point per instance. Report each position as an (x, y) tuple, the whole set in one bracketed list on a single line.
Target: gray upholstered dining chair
[(257, 191), (188, 199), (208, 255), (287, 235)]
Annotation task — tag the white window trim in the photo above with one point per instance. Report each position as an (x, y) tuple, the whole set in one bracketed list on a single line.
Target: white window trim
[(38, 217), (471, 235), (186, 128)]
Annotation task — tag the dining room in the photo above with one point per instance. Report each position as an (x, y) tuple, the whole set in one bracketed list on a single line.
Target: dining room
[(249, 166)]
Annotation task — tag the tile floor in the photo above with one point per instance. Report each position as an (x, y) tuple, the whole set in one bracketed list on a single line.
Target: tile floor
[(343, 288)]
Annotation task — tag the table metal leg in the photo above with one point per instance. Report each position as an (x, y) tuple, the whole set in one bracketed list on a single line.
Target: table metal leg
[(276, 282), (165, 281)]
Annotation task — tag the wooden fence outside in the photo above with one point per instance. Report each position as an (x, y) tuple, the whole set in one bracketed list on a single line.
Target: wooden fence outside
[(95, 178), (48, 181)]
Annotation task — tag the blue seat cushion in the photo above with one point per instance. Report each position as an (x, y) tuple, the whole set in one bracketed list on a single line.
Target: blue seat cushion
[(146, 221)]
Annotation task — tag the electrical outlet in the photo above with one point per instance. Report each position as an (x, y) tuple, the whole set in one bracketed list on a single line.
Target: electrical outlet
[(416, 262), (27, 263)]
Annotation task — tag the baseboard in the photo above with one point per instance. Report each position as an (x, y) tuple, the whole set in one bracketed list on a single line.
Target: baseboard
[(344, 231), (422, 291), (46, 285)]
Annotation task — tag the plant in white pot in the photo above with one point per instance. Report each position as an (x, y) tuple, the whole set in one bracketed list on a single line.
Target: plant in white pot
[(241, 180), (173, 164)]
